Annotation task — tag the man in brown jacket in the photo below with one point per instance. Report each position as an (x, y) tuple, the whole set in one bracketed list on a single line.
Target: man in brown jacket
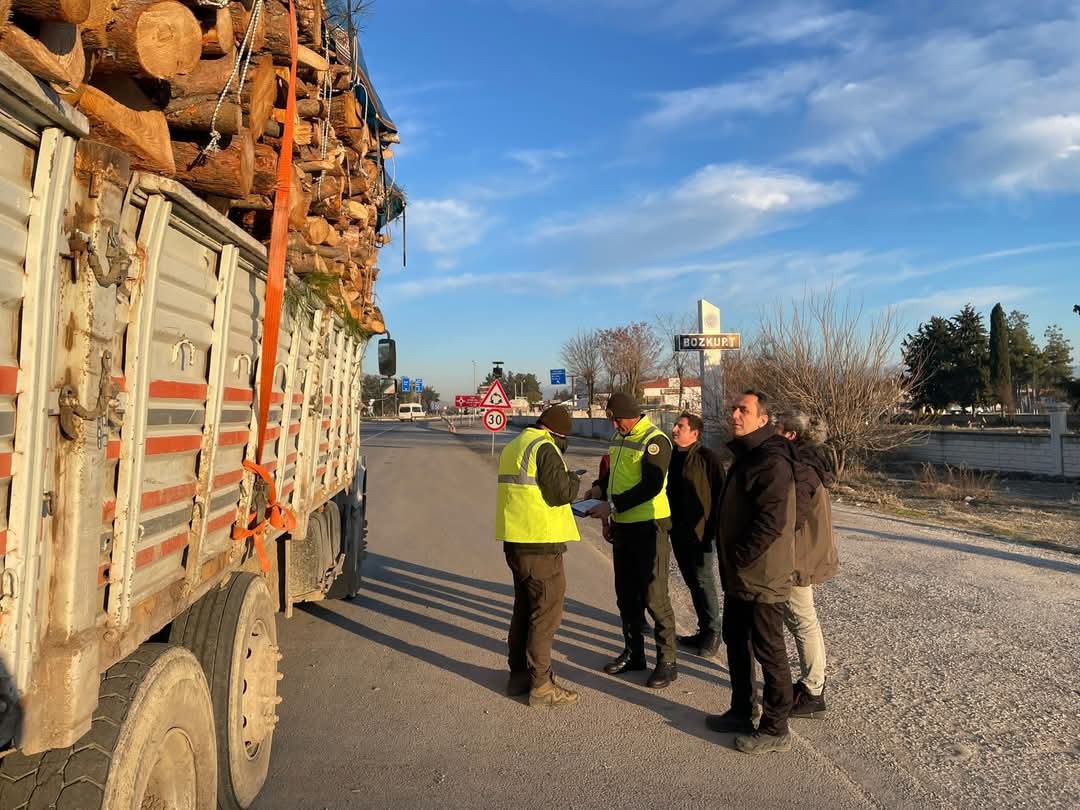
[(816, 559), (757, 565)]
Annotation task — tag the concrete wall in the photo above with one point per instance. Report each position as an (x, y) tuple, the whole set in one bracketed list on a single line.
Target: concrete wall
[(1035, 453)]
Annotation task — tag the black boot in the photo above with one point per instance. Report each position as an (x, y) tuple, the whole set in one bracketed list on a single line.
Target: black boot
[(807, 705), (710, 644), (730, 721), (690, 642), (626, 661), (663, 675)]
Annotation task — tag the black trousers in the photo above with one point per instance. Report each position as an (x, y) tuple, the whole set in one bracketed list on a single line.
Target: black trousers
[(641, 556), (700, 572), (756, 630)]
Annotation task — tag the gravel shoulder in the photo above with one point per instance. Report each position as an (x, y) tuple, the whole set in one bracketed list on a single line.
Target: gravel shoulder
[(953, 658)]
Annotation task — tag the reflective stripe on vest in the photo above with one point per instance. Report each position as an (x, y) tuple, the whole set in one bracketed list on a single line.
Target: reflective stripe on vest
[(522, 515), (626, 453)]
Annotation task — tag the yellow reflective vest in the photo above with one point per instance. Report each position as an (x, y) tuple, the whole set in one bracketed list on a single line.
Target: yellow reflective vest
[(522, 514), (625, 454)]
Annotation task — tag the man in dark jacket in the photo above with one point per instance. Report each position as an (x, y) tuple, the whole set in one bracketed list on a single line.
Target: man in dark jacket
[(694, 475), (757, 548)]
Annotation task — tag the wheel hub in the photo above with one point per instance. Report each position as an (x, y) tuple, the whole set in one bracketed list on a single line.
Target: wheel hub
[(260, 678)]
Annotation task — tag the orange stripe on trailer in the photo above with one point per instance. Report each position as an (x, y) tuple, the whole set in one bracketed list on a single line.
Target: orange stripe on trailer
[(108, 511), (272, 434), (225, 479), (294, 428), (161, 497), (5, 465), (277, 399), (238, 395), (235, 437), (9, 380), (164, 445), (320, 470), (221, 522), (326, 423), (173, 544), (285, 490), (328, 400), (168, 389), (144, 557), (297, 398), (323, 447), (121, 381), (289, 459), (113, 451), (103, 574), (3, 542)]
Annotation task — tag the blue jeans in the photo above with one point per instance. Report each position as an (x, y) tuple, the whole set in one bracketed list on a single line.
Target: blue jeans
[(698, 564)]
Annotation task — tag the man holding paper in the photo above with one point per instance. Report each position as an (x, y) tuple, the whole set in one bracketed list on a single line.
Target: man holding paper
[(534, 522)]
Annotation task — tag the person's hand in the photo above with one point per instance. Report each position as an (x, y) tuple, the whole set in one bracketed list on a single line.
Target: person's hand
[(601, 510), (595, 493), (605, 529)]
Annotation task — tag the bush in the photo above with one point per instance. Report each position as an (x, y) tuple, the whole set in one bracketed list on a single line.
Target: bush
[(955, 483)]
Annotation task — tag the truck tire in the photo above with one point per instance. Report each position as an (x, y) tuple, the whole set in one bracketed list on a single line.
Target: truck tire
[(151, 744), (233, 634), (353, 506)]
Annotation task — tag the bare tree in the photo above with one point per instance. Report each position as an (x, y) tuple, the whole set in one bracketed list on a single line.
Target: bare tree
[(822, 357), (630, 353), (584, 361), (678, 363)]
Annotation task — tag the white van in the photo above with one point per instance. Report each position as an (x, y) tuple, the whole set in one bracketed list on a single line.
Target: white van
[(409, 411)]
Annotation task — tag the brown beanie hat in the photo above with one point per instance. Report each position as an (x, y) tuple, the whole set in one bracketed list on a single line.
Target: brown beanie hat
[(622, 406), (557, 419)]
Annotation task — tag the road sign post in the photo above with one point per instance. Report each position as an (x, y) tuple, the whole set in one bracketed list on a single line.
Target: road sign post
[(404, 385), (710, 343), (558, 376), (418, 385)]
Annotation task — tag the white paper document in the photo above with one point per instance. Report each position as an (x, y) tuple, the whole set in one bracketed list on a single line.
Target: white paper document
[(581, 508)]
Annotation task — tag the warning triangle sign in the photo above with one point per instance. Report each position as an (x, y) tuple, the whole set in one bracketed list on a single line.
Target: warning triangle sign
[(495, 397)]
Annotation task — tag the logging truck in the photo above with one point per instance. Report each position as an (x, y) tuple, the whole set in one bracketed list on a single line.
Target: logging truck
[(170, 479)]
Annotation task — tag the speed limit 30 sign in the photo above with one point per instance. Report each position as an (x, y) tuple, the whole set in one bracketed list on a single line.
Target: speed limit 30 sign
[(494, 420)]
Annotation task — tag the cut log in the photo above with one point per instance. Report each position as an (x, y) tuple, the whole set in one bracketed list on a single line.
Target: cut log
[(306, 57), (299, 199), (277, 28), (343, 112), (217, 33), (144, 134), (93, 30), (310, 108), (254, 202), (69, 11), (316, 230), (240, 14), (207, 78), (158, 39), (56, 57), (307, 262), (260, 89), (272, 130), (309, 20), (194, 114), (227, 173), (333, 237), (264, 175)]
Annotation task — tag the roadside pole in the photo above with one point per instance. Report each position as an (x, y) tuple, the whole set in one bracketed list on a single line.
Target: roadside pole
[(710, 344)]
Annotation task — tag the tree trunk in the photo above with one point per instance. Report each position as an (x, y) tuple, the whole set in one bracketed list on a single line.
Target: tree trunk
[(316, 230), (207, 78), (260, 89), (57, 56), (69, 11), (227, 173), (195, 113), (154, 38), (142, 133), (218, 38), (94, 37)]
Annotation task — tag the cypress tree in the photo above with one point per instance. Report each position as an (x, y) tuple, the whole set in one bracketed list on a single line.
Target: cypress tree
[(1000, 367)]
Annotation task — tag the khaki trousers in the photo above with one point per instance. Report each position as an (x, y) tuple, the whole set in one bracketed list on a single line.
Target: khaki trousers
[(801, 619), (539, 588)]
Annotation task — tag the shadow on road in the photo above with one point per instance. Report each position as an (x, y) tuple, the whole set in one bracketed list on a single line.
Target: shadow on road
[(1000, 554), (585, 647)]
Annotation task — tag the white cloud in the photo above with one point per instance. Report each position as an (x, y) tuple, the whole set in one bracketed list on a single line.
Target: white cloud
[(715, 206), (1038, 154), (786, 23), (948, 301), (537, 161), (446, 227)]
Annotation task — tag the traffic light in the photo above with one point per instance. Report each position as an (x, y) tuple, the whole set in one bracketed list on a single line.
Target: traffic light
[(496, 371)]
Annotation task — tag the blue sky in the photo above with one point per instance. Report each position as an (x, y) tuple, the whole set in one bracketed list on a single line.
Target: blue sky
[(573, 165)]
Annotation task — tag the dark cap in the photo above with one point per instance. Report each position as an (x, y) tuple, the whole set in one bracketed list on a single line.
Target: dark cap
[(622, 406), (557, 419)]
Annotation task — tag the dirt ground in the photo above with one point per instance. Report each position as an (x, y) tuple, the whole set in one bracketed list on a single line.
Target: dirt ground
[(1045, 513)]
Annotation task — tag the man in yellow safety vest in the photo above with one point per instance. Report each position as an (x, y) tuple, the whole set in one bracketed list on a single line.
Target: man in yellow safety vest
[(637, 505), (534, 522)]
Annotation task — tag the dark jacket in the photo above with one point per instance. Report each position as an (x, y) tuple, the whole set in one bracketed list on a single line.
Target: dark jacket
[(757, 519), (695, 480)]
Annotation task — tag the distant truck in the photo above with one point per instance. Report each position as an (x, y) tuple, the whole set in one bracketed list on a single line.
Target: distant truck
[(138, 650)]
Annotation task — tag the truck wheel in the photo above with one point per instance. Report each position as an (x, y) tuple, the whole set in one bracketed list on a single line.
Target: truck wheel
[(233, 634), (151, 744)]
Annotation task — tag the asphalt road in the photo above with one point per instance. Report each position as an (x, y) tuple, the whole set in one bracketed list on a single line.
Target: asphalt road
[(953, 662)]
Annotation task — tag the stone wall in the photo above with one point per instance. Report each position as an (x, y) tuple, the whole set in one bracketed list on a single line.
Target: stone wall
[(1034, 453)]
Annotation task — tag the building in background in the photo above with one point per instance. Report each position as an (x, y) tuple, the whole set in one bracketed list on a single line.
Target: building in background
[(666, 392)]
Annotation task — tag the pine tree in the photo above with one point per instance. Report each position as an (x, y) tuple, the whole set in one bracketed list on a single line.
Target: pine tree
[(1023, 354), (1056, 357), (971, 377), (930, 356), (1000, 368)]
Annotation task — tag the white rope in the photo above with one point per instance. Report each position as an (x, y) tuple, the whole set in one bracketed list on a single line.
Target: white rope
[(242, 55)]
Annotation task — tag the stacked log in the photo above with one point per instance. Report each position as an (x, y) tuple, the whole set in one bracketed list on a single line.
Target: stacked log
[(161, 79)]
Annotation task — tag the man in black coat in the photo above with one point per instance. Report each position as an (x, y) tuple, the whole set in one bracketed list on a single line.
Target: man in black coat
[(695, 479)]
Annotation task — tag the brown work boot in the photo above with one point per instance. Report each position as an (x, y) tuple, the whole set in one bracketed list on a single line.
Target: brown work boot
[(551, 694)]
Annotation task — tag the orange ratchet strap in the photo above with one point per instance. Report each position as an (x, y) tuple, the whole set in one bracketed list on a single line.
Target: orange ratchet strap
[(278, 516)]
